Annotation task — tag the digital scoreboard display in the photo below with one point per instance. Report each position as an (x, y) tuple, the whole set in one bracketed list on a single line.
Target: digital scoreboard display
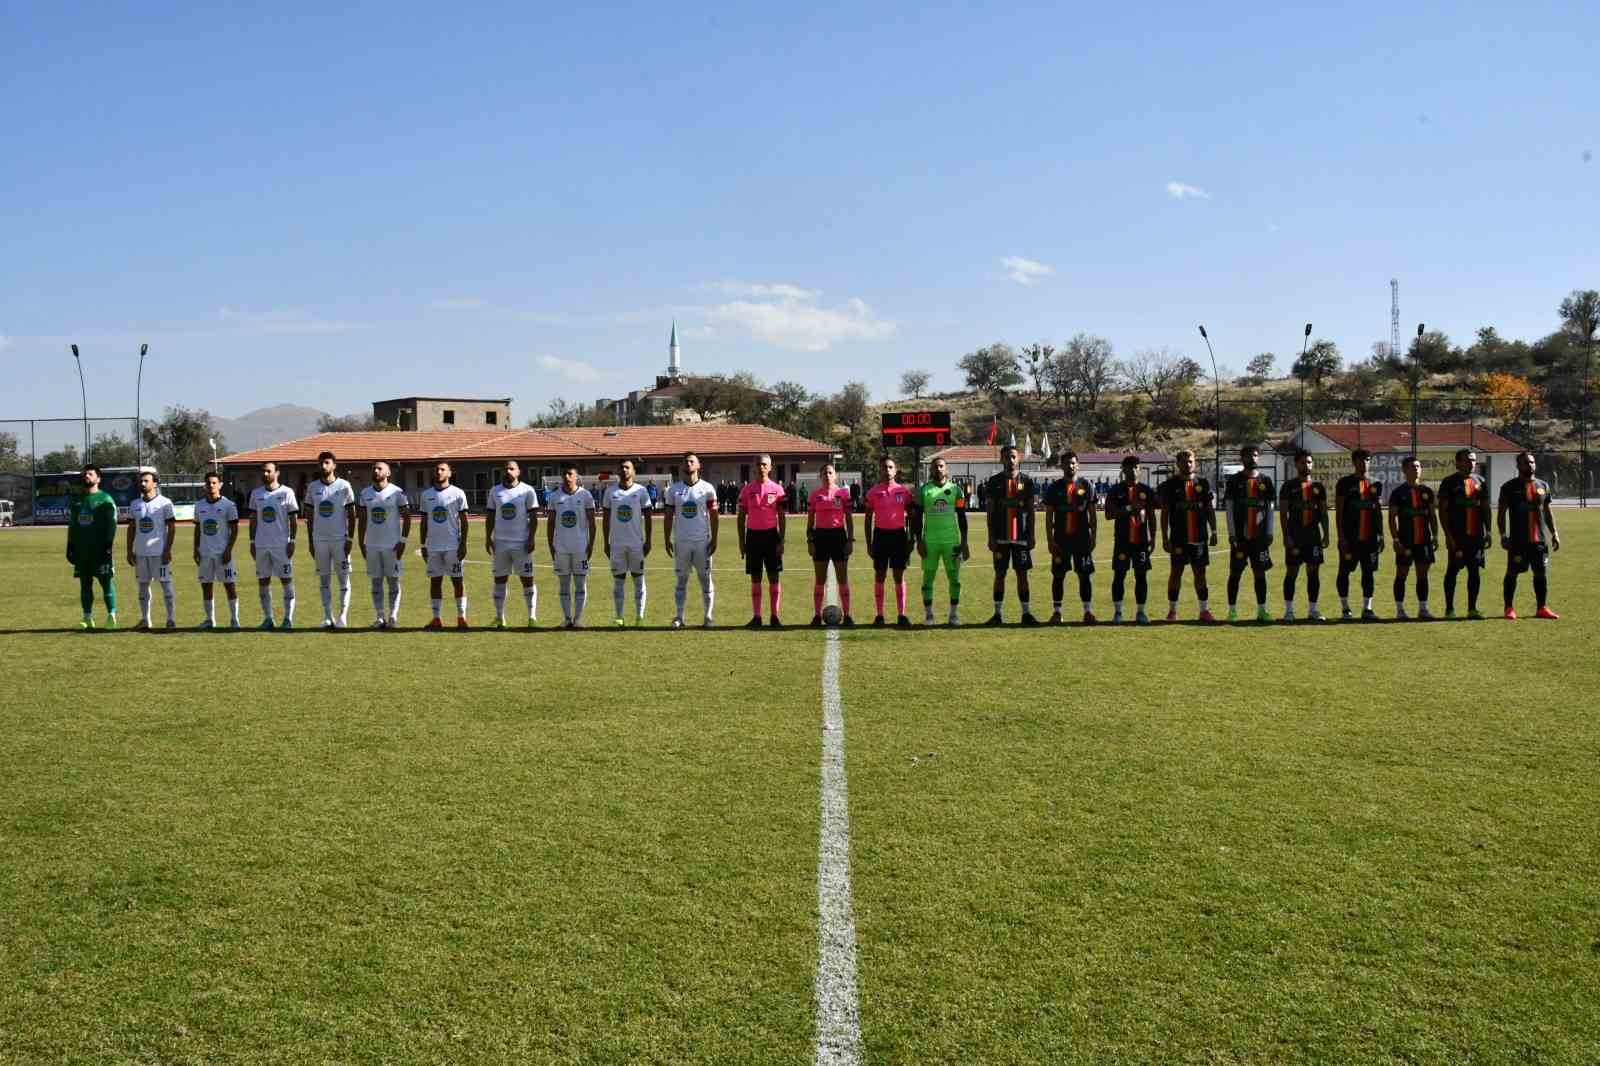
[(916, 429)]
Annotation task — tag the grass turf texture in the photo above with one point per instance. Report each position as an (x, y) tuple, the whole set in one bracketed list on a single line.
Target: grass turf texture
[(1132, 844)]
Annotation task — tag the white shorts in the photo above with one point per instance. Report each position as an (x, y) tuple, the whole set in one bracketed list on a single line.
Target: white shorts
[(273, 562), (212, 569), (330, 556), (443, 564), (626, 560), (151, 568), (382, 562), (571, 563), (687, 557), (512, 561)]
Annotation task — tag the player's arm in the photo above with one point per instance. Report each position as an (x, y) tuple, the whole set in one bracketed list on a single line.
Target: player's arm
[(233, 538), (1049, 525), (1283, 513), (783, 523), (488, 528), (738, 525), (1341, 505), (914, 527), (646, 517), (1550, 523), (605, 527), (253, 520), (588, 513), (1029, 502), (349, 525), (533, 519), (405, 527), (197, 540), (1394, 522), (461, 528), (1270, 506), (1433, 522), (961, 523), (811, 529), (1500, 519), (714, 522), (1093, 516), (361, 530), (131, 521), (291, 527), (1227, 509), (666, 527), (1208, 507), (172, 535), (1166, 528)]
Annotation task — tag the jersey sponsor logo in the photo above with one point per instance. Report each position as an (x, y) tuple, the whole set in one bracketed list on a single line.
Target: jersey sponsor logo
[(269, 515), (85, 518), (690, 509), (209, 527), (440, 514), (325, 509), (380, 515), (147, 525), (569, 519), (508, 511), (624, 512)]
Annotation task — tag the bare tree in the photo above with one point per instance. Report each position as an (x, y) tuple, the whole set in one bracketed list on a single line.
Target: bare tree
[(1037, 356), (1080, 373), (914, 383)]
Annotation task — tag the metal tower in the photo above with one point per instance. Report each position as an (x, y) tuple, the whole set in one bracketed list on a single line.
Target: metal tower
[(1394, 318)]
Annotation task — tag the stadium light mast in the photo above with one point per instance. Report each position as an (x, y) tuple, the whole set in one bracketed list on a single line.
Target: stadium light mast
[(1216, 382), (1303, 368), (84, 393), (138, 417)]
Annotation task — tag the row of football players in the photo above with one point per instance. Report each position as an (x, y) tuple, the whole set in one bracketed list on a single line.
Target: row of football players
[(929, 520)]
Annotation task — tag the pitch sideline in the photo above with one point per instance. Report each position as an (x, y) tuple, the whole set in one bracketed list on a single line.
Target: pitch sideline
[(838, 1029)]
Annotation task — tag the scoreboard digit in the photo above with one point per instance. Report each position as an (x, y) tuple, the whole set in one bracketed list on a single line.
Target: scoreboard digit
[(916, 429)]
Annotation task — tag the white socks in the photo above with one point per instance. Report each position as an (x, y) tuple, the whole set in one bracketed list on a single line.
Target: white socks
[(499, 594)]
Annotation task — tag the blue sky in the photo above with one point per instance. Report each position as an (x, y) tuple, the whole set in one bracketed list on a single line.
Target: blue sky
[(292, 204)]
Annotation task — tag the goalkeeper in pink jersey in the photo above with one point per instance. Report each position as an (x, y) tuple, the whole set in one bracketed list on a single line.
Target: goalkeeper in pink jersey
[(888, 540), (831, 537)]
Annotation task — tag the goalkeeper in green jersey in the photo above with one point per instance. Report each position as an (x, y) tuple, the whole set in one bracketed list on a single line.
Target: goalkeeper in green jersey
[(91, 536), (939, 527)]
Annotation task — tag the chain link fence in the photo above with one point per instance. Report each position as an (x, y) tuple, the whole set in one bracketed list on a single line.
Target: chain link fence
[(40, 459)]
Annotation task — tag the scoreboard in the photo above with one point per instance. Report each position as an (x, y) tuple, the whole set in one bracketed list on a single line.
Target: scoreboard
[(916, 429)]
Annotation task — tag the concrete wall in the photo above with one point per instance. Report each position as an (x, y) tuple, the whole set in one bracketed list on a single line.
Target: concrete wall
[(429, 415)]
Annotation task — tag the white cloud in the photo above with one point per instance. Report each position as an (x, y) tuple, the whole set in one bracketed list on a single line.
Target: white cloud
[(575, 371), (799, 324), (1025, 271), (1181, 191), (5, 341), (278, 323), (460, 303), (755, 290)]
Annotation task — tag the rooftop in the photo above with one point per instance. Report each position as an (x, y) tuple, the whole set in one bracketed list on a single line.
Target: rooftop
[(1396, 436)]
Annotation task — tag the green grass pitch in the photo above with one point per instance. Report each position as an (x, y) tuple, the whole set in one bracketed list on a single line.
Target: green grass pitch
[(1242, 844)]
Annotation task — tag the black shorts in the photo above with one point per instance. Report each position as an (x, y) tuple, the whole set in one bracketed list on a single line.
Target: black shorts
[(1520, 557), (1016, 557), (1413, 554), (830, 545), (1136, 556), (761, 551), (1195, 555), (1307, 551), (1256, 554), (891, 549), (1468, 555), (1075, 556), (1365, 555)]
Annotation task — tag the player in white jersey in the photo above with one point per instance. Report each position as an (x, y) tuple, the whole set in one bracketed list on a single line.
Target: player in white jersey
[(383, 525), (331, 513), (627, 534), (152, 524), (444, 541), (273, 525), (691, 518), (513, 518), (571, 542), (216, 528)]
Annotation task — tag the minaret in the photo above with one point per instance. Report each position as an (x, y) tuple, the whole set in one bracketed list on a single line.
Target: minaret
[(674, 367)]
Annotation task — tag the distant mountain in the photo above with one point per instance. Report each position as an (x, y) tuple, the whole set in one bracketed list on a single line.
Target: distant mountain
[(270, 425)]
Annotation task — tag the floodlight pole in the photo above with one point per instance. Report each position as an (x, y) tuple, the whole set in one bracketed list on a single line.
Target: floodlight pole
[(84, 393), (1416, 387), (1583, 422), (1303, 370), (1217, 394), (138, 417)]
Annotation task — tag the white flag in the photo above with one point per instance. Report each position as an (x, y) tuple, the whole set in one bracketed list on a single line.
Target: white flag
[(1044, 446), (1027, 447), (1013, 439)]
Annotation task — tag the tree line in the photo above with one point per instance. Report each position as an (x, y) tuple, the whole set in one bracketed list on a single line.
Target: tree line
[(179, 443)]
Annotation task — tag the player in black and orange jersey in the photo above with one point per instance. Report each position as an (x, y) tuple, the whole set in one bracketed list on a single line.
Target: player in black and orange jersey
[(1530, 536), (1011, 494), (1358, 520), (1188, 530), (1071, 529), (1248, 500), (1303, 516), (1131, 509), (1464, 512), (1414, 528)]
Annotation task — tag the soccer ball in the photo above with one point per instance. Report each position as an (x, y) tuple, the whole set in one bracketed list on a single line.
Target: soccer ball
[(831, 615)]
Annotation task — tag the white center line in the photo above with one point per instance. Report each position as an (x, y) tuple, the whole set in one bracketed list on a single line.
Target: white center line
[(838, 1008)]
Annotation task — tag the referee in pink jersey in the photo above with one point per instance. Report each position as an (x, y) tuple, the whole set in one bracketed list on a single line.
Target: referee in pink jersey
[(761, 526)]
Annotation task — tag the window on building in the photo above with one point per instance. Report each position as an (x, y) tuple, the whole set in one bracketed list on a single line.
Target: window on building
[(449, 417), (491, 418)]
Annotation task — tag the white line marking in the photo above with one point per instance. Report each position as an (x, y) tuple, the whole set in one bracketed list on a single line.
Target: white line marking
[(838, 1008)]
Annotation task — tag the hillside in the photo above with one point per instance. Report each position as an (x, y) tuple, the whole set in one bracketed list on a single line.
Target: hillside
[(269, 425)]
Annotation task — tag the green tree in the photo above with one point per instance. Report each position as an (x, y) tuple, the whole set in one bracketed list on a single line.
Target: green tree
[(180, 442), (356, 423), (1433, 353), (1259, 368), (788, 407), (60, 461), (1580, 314), (1320, 362), (705, 396), (992, 370), (113, 449), (1038, 357), (914, 383), (12, 461), (850, 405)]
